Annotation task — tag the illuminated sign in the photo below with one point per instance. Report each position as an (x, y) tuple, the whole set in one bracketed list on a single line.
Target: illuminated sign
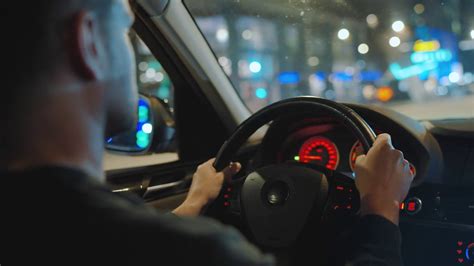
[(370, 75), (441, 55), (289, 77), (403, 73), (430, 46)]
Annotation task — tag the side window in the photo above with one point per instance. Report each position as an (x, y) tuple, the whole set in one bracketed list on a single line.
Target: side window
[(152, 81)]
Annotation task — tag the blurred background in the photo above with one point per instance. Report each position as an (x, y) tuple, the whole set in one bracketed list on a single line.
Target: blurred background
[(413, 56)]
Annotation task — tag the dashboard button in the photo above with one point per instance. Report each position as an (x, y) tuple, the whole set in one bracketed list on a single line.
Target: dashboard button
[(413, 205)]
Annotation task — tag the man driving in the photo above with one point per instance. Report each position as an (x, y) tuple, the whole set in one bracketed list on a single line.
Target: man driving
[(77, 87)]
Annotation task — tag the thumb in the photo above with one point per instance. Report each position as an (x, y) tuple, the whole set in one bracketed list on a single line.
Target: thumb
[(231, 170), (360, 159)]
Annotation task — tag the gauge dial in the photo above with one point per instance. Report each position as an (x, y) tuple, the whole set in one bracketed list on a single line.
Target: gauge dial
[(320, 151), (357, 150)]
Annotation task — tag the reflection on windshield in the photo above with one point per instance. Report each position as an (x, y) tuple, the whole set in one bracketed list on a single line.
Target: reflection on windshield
[(416, 58)]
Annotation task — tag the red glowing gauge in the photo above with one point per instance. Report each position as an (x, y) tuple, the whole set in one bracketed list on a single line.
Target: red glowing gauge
[(357, 150), (320, 151)]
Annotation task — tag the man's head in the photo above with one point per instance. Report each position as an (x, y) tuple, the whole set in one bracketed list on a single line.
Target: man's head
[(57, 47)]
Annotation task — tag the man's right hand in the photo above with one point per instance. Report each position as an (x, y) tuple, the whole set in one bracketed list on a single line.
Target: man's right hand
[(383, 179)]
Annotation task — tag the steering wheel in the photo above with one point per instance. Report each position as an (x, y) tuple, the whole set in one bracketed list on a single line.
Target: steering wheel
[(277, 200)]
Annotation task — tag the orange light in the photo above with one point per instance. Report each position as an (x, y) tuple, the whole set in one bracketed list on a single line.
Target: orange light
[(402, 206), (384, 94)]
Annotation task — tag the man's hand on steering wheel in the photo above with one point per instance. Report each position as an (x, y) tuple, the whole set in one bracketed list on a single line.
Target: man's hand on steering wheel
[(383, 179), (205, 187)]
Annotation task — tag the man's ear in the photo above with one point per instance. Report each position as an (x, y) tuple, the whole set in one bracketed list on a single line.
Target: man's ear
[(87, 47)]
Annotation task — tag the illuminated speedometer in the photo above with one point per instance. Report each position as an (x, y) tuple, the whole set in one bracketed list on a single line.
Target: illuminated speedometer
[(320, 151)]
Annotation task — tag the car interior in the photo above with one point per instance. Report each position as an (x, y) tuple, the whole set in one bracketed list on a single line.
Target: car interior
[(297, 125)]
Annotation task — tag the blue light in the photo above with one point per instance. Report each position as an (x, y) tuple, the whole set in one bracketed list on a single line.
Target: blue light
[(370, 75), (289, 77), (441, 55), (467, 253), (414, 70), (261, 93), (109, 140), (342, 76), (320, 75)]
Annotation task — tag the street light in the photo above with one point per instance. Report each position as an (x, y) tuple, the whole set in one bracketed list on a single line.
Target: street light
[(363, 48), (398, 26), (394, 41), (419, 8), (222, 35), (343, 34), (255, 67), (372, 20), (313, 61)]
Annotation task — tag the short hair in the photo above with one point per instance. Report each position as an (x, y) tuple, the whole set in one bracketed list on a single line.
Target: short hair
[(33, 32)]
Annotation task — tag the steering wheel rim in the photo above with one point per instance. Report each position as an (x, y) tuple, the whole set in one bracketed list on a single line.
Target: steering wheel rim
[(307, 104)]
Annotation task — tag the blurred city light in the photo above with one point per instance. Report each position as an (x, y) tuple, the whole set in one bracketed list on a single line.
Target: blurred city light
[(368, 92), (147, 128), (159, 77), (143, 66), (454, 77), (472, 34), (292, 77), (398, 26), (261, 93), (441, 55), (313, 61), (247, 34), (372, 20), (142, 113), (223, 61), (150, 73), (394, 41), (419, 8), (343, 34), (403, 73), (468, 77), (222, 35), (255, 67), (363, 48), (429, 46), (384, 94)]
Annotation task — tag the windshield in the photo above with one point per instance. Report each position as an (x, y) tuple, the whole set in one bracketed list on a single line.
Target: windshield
[(416, 57)]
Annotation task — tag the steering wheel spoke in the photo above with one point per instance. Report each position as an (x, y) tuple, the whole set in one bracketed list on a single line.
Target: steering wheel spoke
[(343, 201)]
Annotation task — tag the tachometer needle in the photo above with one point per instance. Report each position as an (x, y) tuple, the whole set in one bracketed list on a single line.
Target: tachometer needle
[(312, 157)]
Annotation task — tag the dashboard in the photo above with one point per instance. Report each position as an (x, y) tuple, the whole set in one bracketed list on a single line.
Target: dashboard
[(329, 145), (437, 218)]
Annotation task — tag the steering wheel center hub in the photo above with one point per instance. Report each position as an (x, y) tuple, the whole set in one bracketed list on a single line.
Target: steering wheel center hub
[(278, 199), (276, 193)]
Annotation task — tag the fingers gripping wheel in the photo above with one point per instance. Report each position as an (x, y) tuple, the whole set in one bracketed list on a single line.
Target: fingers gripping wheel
[(277, 200)]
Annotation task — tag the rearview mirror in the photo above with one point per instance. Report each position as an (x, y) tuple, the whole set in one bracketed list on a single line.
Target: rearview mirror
[(154, 131)]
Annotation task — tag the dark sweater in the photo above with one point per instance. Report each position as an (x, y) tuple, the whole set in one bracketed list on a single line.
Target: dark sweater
[(60, 216)]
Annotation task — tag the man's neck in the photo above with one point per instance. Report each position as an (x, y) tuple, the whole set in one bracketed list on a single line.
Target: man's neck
[(61, 131)]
